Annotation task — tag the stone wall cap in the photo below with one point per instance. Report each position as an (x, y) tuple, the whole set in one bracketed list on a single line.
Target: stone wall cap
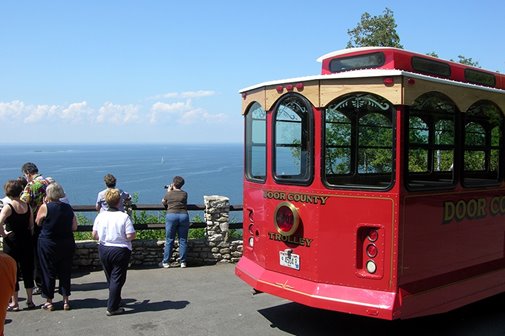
[(215, 197)]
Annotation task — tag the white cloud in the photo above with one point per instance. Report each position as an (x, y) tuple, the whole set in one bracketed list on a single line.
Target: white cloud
[(11, 110), (76, 112), (40, 112), (117, 114), (181, 109), (198, 114)]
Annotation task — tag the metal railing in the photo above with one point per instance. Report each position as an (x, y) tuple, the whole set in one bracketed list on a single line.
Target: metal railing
[(155, 207)]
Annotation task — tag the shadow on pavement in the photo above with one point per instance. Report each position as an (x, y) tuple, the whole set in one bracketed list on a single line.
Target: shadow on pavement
[(482, 318)]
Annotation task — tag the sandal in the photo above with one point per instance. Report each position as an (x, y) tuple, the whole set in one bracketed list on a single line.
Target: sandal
[(66, 306), (30, 305), (48, 306), (13, 308)]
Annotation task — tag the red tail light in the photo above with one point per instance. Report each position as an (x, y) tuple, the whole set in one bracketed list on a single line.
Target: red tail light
[(286, 218)]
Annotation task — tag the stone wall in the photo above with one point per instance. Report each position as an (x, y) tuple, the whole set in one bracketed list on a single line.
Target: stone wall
[(212, 249)]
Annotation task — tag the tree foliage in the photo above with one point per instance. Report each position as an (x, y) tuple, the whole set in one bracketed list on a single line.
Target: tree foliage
[(467, 61), (375, 31)]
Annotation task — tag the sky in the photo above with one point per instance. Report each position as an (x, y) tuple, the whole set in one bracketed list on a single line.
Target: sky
[(158, 71)]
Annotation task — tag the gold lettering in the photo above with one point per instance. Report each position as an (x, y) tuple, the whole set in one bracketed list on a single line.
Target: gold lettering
[(494, 206), (460, 210), (448, 211), (482, 207)]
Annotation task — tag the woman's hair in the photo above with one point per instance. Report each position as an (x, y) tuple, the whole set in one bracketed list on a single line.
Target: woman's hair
[(29, 168), (54, 191), (110, 181), (112, 197), (13, 188), (178, 182)]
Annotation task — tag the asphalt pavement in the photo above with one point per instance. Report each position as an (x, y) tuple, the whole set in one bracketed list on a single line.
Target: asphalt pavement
[(211, 300)]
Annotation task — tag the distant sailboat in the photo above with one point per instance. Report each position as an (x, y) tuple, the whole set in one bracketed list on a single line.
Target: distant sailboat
[(162, 160)]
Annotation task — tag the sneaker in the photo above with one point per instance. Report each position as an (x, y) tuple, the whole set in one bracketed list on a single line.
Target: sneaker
[(115, 312), (183, 265), (164, 265)]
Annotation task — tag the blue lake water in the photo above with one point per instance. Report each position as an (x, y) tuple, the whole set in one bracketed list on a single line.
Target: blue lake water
[(142, 169)]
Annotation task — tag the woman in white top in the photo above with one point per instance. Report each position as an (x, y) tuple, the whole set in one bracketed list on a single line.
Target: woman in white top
[(114, 231)]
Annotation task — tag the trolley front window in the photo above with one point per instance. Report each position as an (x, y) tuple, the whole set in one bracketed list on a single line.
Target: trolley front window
[(292, 156), (359, 142)]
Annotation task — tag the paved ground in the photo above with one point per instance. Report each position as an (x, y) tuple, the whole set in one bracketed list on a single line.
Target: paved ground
[(211, 300)]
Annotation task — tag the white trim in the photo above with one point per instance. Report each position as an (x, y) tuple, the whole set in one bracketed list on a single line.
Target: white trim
[(370, 73)]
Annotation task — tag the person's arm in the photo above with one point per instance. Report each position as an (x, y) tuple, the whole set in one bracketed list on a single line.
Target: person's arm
[(98, 205), (32, 221), (74, 223), (41, 214), (26, 195), (6, 212), (130, 230)]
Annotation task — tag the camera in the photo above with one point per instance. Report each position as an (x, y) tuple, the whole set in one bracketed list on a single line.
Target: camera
[(168, 186)]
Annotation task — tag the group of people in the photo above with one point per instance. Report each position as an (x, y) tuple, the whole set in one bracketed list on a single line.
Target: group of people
[(37, 224)]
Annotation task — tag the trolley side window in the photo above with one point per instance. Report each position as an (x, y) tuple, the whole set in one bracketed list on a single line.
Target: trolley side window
[(430, 143), (358, 142), (292, 150), (483, 123), (366, 61), (255, 143)]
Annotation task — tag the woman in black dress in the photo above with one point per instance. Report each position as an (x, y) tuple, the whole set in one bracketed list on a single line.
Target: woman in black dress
[(56, 244), (18, 220)]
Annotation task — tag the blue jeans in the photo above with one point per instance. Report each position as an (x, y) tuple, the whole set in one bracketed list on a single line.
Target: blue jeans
[(176, 223)]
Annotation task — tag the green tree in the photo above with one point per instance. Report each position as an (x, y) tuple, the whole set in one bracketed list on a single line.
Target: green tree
[(467, 61), (375, 31)]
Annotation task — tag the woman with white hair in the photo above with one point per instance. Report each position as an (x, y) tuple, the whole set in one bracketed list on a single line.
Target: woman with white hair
[(56, 244), (114, 231)]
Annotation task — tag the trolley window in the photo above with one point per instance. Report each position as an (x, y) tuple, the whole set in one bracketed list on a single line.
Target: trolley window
[(292, 151), (255, 143), (480, 77), (431, 67), (483, 134), (430, 142), (358, 142), (367, 61)]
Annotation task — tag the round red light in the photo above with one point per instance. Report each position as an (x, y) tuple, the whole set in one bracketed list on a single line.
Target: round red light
[(286, 218), (244, 95), (279, 88), (299, 86), (372, 251), (289, 87), (373, 235), (411, 81), (389, 81)]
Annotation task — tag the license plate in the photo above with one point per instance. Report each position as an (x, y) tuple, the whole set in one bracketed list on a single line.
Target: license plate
[(289, 260)]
